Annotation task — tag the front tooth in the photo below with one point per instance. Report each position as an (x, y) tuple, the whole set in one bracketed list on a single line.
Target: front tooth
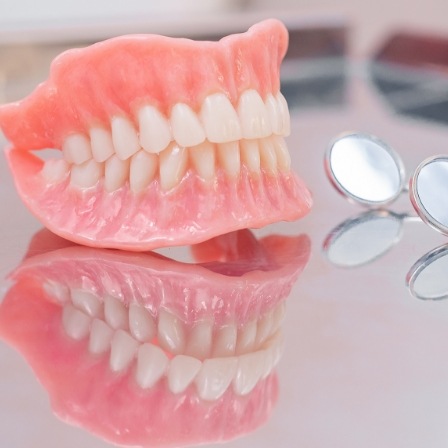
[(102, 145), (215, 376), (200, 340), (229, 158), (251, 367), (141, 323), (55, 170), (173, 164), (115, 313), (76, 149), (225, 341), (116, 173), (76, 323), (250, 155), (220, 120), (143, 170), (57, 291), (124, 137), (187, 129), (203, 158), (282, 153), (275, 117), (182, 371), (122, 351), (246, 337), (253, 115), (267, 156), (151, 365), (171, 332), (284, 113), (155, 132), (87, 174), (87, 302), (100, 337)]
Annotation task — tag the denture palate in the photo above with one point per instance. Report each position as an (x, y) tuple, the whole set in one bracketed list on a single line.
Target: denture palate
[(150, 145), (210, 356)]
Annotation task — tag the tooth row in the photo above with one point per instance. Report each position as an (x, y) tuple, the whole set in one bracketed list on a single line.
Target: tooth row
[(269, 154)]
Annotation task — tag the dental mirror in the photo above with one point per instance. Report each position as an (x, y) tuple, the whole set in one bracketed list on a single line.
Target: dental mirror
[(364, 169), (428, 279)]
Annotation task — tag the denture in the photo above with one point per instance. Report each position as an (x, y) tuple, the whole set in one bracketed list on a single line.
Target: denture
[(162, 141), (120, 341)]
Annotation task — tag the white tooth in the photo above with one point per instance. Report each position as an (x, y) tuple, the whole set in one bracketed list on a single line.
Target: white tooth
[(124, 137), (187, 129), (250, 368), (141, 323), (155, 132), (76, 149), (246, 338), (267, 156), (122, 350), (86, 302), (282, 153), (151, 365), (76, 323), (264, 329), (277, 347), (278, 316), (275, 117), (100, 337), (200, 340), (284, 113), (102, 145), (181, 372), (250, 155), (220, 120), (116, 173), (253, 115), (173, 164), (115, 313), (143, 170), (87, 174), (203, 158), (225, 341), (215, 376), (171, 332), (268, 355), (229, 157), (58, 292), (55, 170)]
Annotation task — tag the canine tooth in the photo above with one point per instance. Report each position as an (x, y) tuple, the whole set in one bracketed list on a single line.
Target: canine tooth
[(284, 113), (122, 350), (115, 173), (87, 174), (229, 158), (250, 155), (200, 340), (181, 372), (55, 170), (203, 158), (124, 137), (267, 156), (155, 132), (282, 153), (76, 323), (115, 313), (225, 341), (246, 338), (86, 302), (215, 376), (151, 365), (143, 170), (57, 291), (220, 119), (100, 337), (250, 368), (187, 129), (171, 332), (253, 115), (141, 323), (76, 149), (275, 117), (173, 164), (102, 145)]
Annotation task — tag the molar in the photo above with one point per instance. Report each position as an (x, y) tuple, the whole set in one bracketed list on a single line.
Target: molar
[(76, 324), (186, 127), (142, 171), (116, 173), (173, 164), (151, 365), (55, 170), (115, 313), (122, 351), (57, 291), (141, 323), (253, 115), (124, 137), (86, 302), (283, 156), (155, 132), (87, 174), (284, 113), (268, 157), (102, 145), (76, 149), (100, 337), (203, 158)]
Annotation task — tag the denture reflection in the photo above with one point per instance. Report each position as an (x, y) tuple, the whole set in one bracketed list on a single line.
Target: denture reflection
[(144, 350)]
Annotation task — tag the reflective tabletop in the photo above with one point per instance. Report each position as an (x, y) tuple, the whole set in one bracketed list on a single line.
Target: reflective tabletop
[(364, 360)]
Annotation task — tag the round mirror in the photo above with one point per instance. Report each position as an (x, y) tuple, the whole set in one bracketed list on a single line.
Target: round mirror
[(429, 192), (428, 279), (363, 239), (364, 169)]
